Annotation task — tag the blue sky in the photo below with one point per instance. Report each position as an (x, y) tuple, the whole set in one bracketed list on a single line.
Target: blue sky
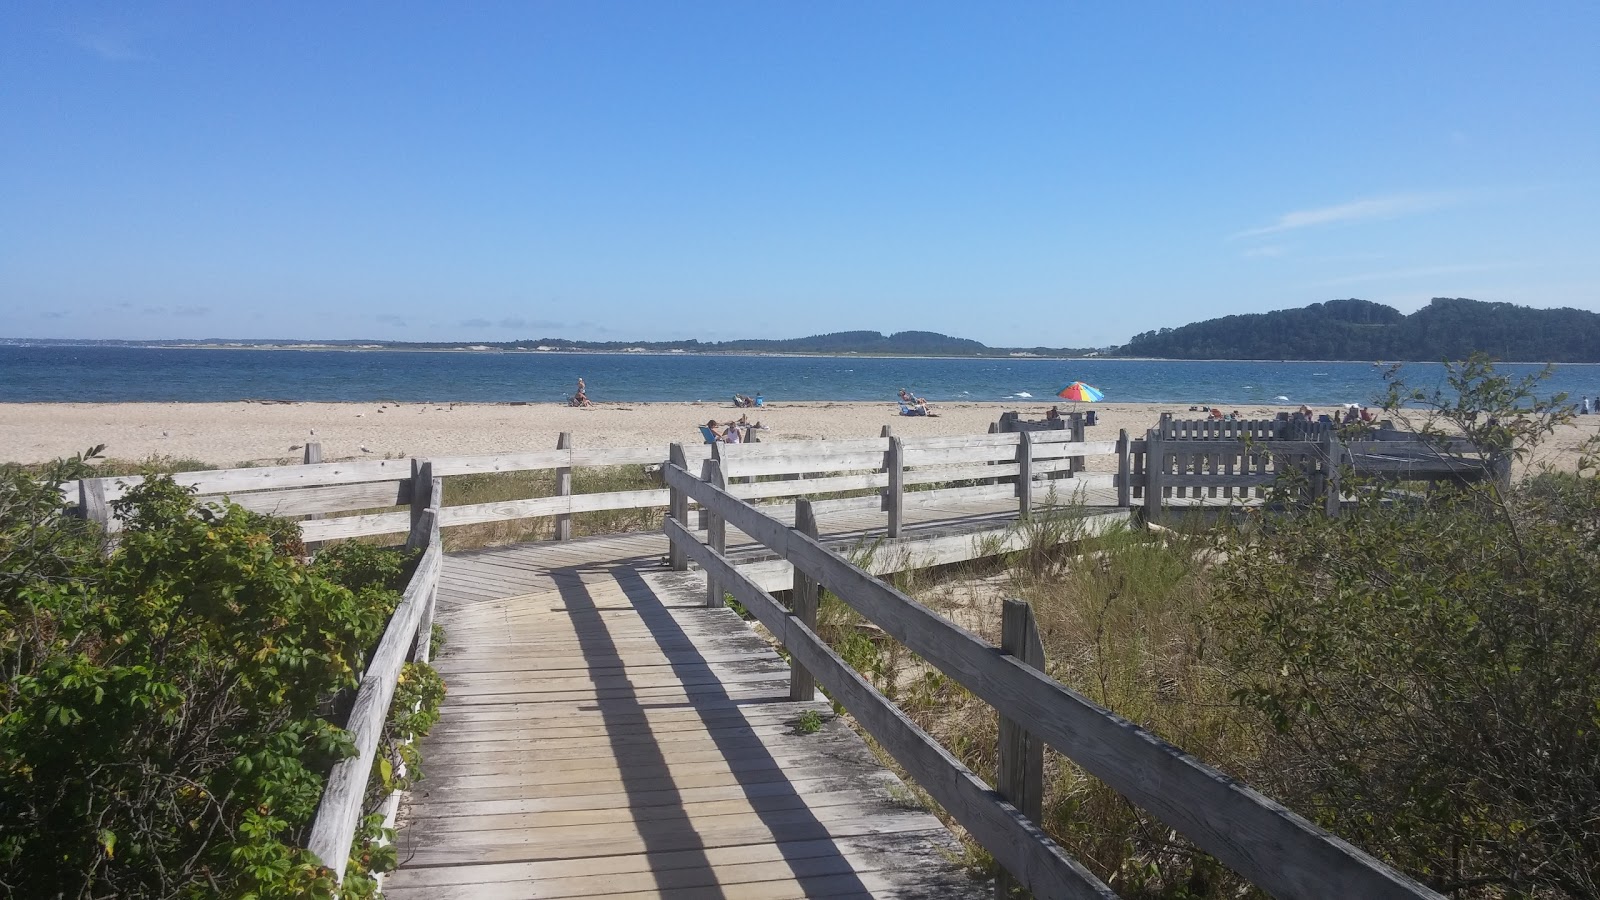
[(1055, 173)]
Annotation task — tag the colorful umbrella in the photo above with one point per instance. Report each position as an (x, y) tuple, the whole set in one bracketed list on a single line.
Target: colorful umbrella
[(1078, 392)]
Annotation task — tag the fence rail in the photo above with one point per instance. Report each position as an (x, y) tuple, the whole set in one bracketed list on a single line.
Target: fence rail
[(408, 636), (1250, 833)]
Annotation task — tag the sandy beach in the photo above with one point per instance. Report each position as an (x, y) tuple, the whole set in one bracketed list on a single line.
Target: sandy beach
[(228, 434)]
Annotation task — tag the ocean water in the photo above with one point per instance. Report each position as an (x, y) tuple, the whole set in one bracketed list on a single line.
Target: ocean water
[(37, 373)]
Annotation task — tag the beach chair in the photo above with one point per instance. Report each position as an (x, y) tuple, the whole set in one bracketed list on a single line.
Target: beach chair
[(708, 434), (908, 411)]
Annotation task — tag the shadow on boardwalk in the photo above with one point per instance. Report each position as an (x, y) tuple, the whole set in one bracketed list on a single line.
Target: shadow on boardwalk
[(608, 735)]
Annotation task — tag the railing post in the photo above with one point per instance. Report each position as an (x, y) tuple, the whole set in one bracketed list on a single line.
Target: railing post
[(1020, 772), (894, 464), (888, 431), (92, 500), (716, 529), (421, 490), (313, 456), (802, 685), (1079, 435), (1332, 457), (1155, 464), (677, 509), (422, 528), (1124, 470), (1024, 475), (564, 488)]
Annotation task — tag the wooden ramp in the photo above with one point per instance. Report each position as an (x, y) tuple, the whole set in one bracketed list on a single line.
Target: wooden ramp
[(606, 735)]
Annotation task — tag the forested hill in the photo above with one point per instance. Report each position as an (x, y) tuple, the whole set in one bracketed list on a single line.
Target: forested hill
[(1355, 329)]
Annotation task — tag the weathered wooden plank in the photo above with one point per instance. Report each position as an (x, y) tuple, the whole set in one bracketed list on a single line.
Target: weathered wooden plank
[(537, 507), (340, 808), (681, 871), (1059, 449), (745, 452), (799, 487), (331, 498), (945, 442), (355, 526), (952, 456), (801, 459), (227, 481), (962, 473)]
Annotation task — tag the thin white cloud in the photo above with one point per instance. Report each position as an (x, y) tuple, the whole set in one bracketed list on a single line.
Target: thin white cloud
[(1270, 251), (1388, 207), (1418, 272), (109, 45)]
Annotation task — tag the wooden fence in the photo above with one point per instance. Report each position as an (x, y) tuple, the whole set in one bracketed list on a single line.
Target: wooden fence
[(409, 635), (1256, 837)]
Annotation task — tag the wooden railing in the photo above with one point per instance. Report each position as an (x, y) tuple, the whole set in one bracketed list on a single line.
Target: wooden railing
[(1253, 835), (409, 635)]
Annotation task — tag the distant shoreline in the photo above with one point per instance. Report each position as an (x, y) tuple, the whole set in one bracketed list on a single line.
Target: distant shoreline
[(313, 347)]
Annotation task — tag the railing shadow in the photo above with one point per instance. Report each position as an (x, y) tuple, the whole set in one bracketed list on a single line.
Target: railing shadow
[(659, 807)]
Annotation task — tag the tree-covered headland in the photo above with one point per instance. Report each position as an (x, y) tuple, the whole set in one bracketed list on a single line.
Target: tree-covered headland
[(1360, 330)]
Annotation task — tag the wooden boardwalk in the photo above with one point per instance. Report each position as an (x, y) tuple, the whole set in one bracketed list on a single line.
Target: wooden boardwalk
[(606, 735)]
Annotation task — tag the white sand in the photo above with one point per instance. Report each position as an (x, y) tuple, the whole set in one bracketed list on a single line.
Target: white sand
[(227, 434)]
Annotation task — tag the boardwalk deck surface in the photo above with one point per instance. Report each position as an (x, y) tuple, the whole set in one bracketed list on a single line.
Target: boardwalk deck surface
[(606, 735)]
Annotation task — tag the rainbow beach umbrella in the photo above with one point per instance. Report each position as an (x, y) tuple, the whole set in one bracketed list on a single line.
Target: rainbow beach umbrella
[(1078, 392)]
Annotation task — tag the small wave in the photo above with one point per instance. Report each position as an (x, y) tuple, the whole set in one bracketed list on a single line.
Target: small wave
[(1023, 395), (1281, 398), (1319, 374)]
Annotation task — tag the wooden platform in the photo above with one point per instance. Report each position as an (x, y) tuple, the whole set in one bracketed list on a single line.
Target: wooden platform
[(605, 735)]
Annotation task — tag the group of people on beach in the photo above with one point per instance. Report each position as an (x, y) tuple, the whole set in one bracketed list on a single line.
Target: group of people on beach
[(732, 432)]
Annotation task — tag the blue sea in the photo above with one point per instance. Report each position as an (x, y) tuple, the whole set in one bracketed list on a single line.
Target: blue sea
[(41, 373)]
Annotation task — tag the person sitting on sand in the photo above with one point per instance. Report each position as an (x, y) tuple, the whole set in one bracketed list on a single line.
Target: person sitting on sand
[(1216, 412), (1052, 414), (743, 420), (731, 435), (910, 399)]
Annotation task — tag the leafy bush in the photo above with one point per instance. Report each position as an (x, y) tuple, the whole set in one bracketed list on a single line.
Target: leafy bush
[(1424, 676), (164, 727)]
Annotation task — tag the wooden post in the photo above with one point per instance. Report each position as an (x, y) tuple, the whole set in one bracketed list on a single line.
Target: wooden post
[(888, 431), (1155, 464), (1025, 476), (1332, 457), (564, 488), (1079, 436), (421, 532), (1020, 772), (894, 464), (421, 490), (92, 501), (802, 685), (1124, 469), (313, 456), (422, 648), (716, 529), (1500, 470), (677, 509)]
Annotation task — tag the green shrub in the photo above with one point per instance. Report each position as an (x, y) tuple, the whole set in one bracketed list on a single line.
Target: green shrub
[(163, 727)]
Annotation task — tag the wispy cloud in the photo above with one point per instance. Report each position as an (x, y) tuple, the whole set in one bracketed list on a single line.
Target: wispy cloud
[(1418, 272), (475, 323), (1391, 206), (110, 44), (1271, 251), (192, 311), (390, 319)]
